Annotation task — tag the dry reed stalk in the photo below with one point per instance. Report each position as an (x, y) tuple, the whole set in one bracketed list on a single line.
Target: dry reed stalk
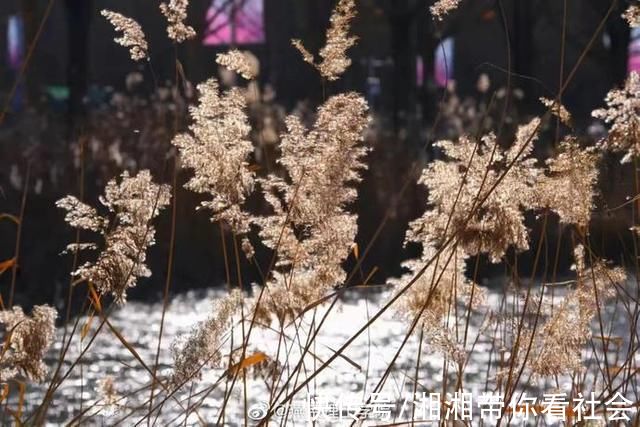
[(483, 218)]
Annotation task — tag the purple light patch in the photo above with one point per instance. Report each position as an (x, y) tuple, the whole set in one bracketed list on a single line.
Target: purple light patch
[(443, 72), (235, 22), (15, 41), (419, 71), (634, 51)]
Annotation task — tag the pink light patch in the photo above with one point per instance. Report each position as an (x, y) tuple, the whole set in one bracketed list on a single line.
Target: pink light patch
[(633, 63), (443, 67), (235, 22)]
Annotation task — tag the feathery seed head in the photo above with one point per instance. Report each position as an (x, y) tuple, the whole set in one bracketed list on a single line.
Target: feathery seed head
[(310, 226), (440, 287), (478, 171), (632, 16), (568, 186), (442, 8), (243, 63), (623, 112), (133, 203), (557, 110), (203, 344), (334, 53), (559, 343), (132, 34), (27, 338), (176, 12), (217, 149)]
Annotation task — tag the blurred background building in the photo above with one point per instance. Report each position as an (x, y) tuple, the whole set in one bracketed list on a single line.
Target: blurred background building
[(395, 63), (75, 99)]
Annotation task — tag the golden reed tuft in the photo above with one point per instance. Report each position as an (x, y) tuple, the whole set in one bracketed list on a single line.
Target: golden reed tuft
[(132, 34)]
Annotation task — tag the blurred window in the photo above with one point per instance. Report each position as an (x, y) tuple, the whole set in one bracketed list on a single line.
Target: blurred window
[(634, 51), (235, 22)]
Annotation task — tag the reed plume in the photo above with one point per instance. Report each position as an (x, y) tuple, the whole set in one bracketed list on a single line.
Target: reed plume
[(202, 346), (632, 15), (334, 53), (176, 12), (441, 8), (132, 203), (622, 112), (442, 285), (217, 149), (26, 341), (568, 187), (132, 34), (473, 168), (322, 164), (557, 346), (557, 109), (239, 62), (110, 400)]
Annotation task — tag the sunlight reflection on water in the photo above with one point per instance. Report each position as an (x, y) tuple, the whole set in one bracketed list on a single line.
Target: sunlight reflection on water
[(139, 323)]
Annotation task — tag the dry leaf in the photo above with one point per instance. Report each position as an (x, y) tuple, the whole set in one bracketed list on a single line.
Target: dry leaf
[(5, 265), (247, 362)]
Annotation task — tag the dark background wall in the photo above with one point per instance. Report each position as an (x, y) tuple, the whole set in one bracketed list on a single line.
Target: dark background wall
[(77, 50)]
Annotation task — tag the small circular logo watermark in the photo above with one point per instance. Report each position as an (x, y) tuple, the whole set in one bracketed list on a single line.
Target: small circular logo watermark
[(258, 411)]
